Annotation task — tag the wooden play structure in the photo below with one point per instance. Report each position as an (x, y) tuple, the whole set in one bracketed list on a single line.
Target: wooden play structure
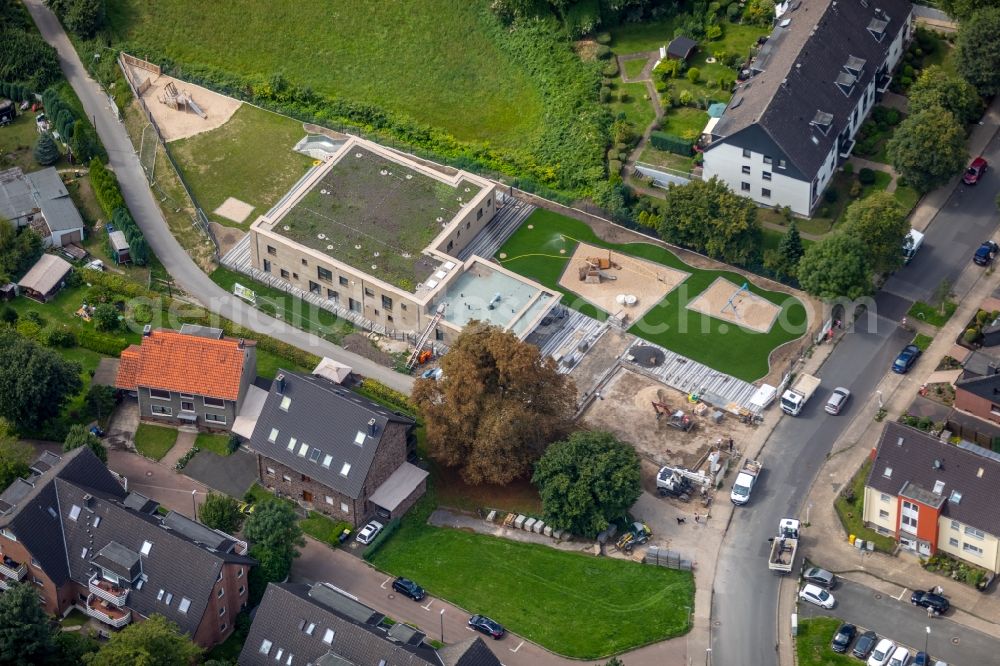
[(180, 100), (594, 269)]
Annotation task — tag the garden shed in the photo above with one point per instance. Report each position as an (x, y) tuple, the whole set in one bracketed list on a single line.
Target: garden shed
[(45, 278), (119, 247), (681, 48)]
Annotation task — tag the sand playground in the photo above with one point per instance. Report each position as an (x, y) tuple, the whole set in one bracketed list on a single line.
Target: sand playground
[(726, 300), (620, 285)]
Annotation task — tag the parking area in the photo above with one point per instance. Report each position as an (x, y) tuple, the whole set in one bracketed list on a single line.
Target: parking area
[(232, 474), (890, 614)]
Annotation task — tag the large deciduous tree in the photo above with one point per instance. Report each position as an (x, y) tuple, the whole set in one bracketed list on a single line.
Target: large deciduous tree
[(78, 436), (154, 642), (587, 481), (937, 87), (35, 382), (14, 456), (221, 512), (497, 406), (84, 17), (836, 267), (708, 217), (275, 535), (977, 57), (880, 222), (962, 9), (928, 148), (26, 638), (19, 250)]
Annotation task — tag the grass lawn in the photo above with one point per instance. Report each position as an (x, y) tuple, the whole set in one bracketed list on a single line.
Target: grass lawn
[(74, 619), (250, 158), (907, 196), (268, 365), (647, 36), (261, 494), (772, 239), (932, 314), (633, 68), (663, 158), (433, 60), (637, 109), (738, 352), (216, 443), (684, 122), (17, 141), (228, 651), (286, 307), (523, 586), (922, 341), (851, 514), (812, 645), (154, 441), (323, 529)]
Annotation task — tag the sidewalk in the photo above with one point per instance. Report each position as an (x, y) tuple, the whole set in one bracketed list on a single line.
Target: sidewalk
[(185, 440)]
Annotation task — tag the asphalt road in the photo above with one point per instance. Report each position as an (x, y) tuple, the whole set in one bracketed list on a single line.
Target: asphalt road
[(147, 214), (905, 624)]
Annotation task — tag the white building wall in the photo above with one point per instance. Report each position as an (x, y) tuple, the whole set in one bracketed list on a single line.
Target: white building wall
[(727, 162)]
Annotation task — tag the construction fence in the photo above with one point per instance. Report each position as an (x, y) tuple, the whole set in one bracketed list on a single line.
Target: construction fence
[(670, 559)]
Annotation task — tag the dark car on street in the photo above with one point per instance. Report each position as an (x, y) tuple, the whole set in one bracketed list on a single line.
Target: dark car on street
[(906, 359), (842, 639), (820, 577), (408, 588), (921, 659), (936, 602), (985, 254), (975, 171), (865, 644), (485, 625)]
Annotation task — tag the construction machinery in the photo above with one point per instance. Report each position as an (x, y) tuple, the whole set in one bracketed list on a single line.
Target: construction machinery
[(784, 546), (675, 418), (637, 534), (679, 482)]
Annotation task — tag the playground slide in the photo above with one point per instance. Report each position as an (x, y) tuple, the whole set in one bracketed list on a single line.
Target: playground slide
[(197, 109)]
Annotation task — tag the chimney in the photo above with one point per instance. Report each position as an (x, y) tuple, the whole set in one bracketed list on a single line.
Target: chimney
[(146, 330), (88, 499), (279, 383), (240, 343), (372, 428), (937, 464)]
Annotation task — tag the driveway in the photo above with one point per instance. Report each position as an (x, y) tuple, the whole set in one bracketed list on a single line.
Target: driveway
[(146, 212), (232, 475)]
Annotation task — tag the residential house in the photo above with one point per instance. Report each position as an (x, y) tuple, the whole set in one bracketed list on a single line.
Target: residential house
[(40, 200), (335, 451), (810, 86), (978, 394), (197, 377), (933, 496), (45, 278), (321, 625), (72, 530)]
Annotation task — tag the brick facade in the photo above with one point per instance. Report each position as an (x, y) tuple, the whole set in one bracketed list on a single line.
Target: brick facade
[(977, 406), (54, 599)]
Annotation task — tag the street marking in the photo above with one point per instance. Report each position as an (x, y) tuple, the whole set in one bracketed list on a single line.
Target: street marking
[(428, 606), (384, 582), (900, 597), (518, 647)]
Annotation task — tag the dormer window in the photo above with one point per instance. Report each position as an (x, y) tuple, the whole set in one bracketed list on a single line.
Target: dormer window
[(887, 473), (854, 65), (846, 82), (877, 29), (822, 121)]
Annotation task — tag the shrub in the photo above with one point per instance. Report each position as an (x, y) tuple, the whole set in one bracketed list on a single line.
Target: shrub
[(713, 32), (60, 337), (186, 458), (849, 168), (610, 68), (614, 166), (603, 52), (603, 38), (855, 190), (686, 98), (971, 335), (670, 143), (382, 537), (830, 195), (604, 95), (106, 317), (9, 315), (142, 313), (866, 176), (624, 97), (28, 329), (102, 344), (694, 75), (733, 12)]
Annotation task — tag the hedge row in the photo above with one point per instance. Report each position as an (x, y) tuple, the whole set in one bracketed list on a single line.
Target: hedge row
[(138, 250), (75, 133), (102, 344), (382, 537), (671, 143), (387, 395), (109, 196), (15, 91)]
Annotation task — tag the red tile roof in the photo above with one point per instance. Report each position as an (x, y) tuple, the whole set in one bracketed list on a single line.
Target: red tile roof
[(173, 361)]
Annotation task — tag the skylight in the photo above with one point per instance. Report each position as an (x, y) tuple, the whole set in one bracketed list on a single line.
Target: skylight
[(887, 473), (265, 646), (310, 628), (327, 459), (359, 439), (314, 455), (345, 469), (938, 487), (291, 443), (328, 637), (170, 597), (97, 521), (956, 497), (285, 402), (74, 512), (146, 546), (184, 605), (303, 450), (273, 437)]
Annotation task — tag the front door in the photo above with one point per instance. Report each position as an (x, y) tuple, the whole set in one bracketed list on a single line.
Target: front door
[(307, 496)]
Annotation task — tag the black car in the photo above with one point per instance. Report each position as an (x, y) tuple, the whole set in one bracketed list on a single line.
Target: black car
[(487, 626), (842, 639), (865, 645), (984, 255), (936, 602), (820, 577), (407, 587)]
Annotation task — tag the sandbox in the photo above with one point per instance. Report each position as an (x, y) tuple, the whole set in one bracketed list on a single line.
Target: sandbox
[(181, 123), (723, 299)]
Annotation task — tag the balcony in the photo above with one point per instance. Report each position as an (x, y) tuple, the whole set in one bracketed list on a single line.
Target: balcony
[(107, 591), (11, 569), (107, 613)]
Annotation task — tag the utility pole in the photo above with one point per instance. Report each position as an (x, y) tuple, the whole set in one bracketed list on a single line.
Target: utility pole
[(194, 506), (442, 626)]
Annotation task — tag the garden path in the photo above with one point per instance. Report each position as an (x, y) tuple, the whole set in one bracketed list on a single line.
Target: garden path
[(862, 163), (645, 76)]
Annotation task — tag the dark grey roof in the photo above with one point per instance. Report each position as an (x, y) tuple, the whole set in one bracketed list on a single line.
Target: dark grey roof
[(118, 559), (15, 194), (796, 71), (197, 532), (15, 492), (680, 47), (139, 502), (287, 611), (470, 652), (919, 461), (52, 197), (45, 462), (980, 363), (328, 420), (987, 386)]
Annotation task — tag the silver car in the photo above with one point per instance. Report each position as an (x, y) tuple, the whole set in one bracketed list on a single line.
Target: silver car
[(837, 400)]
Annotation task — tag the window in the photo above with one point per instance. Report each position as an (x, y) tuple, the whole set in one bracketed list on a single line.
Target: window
[(265, 646), (402, 306), (767, 159), (74, 512), (746, 152), (781, 164), (332, 295), (187, 406), (303, 450), (83, 553), (388, 318), (184, 605), (345, 470), (284, 273), (278, 654), (995, 409), (159, 595), (222, 611), (159, 394), (953, 542), (909, 521), (269, 471), (314, 288), (328, 637), (305, 263), (160, 409), (369, 293), (271, 250), (766, 175), (354, 305), (479, 214), (35, 563), (291, 443), (222, 591), (359, 438), (884, 497), (327, 459), (8, 534), (974, 533), (273, 437), (746, 169), (766, 193), (169, 598), (216, 418), (971, 549), (223, 626), (310, 628), (954, 525), (314, 455), (286, 478), (343, 281), (344, 508), (386, 303), (882, 513), (242, 590), (220, 576), (239, 574), (214, 402), (324, 274), (267, 266), (285, 403), (329, 500), (887, 473), (295, 276), (744, 186)]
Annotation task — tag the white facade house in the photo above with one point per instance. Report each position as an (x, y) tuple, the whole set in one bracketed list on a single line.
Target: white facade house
[(810, 87)]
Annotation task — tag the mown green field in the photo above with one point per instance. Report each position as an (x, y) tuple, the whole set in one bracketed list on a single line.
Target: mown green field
[(429, 59)]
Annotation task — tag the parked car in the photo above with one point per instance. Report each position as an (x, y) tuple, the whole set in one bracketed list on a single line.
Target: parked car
[(485, 625), (820, 577), (901, 657), (369, 532), (906, 359), (975, 171), (924, 599), (837, 400), (921, 659), (882, 652), (842, 639), (407, 587), (817, 595), (864, 645), (985, 254), (247, 507), (95, 265)]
